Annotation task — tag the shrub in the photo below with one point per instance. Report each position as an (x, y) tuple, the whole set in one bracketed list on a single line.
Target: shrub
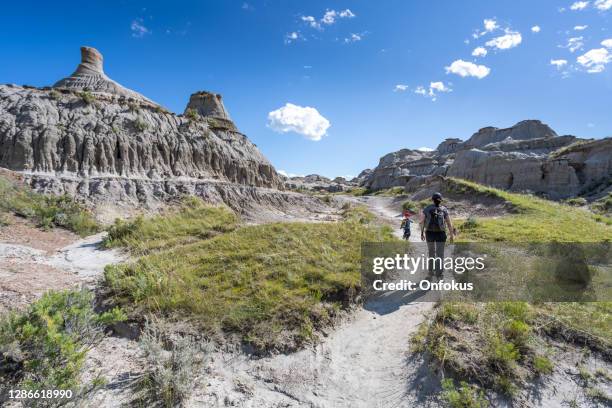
[(48, 343), (542, 365), (171, 368), (410, 205), (470, 223), (576, 202), (87, 97), (55, 95), (466, 396), (192, 114), (140, 125)]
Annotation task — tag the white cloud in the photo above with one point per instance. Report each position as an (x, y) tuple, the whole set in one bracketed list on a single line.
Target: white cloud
[(607, 43), (490, 24), (579, 5), (510, 40), (536, 29), (425, 149), (353, 38), (304, 120), (400, 88), (346, 14), (467, 69), (559, 63), (434, 89), (595, 60), (603, 4), (311, 21), (138, 29), (247, 6), (479, 52), (420, 90), (287, 174), (329, 18), (575, 43), (291, 37), (439, 86), (580, 27)]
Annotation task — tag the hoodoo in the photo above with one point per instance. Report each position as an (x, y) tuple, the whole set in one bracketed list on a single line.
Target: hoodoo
[(90, 76)]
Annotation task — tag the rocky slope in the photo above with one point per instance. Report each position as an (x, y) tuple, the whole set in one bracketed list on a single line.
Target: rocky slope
[(528, 156), (91, 137)]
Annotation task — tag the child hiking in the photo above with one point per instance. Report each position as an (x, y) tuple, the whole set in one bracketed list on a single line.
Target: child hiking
[(406, 223)]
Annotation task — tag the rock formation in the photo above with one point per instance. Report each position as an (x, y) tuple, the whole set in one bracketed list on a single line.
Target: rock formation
[(90, 76), (111, 144), (529, 156), (317, 183)]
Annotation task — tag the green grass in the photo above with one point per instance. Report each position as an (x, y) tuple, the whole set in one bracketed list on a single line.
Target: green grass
[(464, 396), (271, 285), (389, 192), (504, 339), (537, 220), (45, 347), (190, 221), (46, 211)]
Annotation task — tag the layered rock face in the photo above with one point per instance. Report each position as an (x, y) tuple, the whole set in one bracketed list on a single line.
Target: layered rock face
[(317, 183), (529, 156), (112, 144)]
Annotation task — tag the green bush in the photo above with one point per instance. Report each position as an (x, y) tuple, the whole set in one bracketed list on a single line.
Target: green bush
[(466, 396), (87, 97), (576, 202), (140, 125), (192, 114), (542, 365), (48, 343)]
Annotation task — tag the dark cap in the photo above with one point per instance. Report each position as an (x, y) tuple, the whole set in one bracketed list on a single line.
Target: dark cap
[(436, 196)]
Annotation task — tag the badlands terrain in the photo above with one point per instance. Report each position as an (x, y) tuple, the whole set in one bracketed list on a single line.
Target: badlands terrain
[(158, 259)]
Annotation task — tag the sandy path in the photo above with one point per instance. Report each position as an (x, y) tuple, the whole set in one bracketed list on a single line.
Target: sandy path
[(27, 272), (364, 362)]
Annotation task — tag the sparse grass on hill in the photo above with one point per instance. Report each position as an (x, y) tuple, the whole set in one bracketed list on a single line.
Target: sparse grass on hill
[(45, 210), (502, 345), (186, 223), (537, 220), (271, 285)]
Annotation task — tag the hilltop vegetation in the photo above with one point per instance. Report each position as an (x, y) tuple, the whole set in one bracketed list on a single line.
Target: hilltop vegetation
[(271, 285)]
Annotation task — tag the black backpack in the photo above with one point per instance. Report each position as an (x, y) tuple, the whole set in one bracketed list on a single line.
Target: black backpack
[(434, 219)]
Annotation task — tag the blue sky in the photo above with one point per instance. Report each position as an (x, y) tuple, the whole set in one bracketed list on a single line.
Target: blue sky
[(377, 75)]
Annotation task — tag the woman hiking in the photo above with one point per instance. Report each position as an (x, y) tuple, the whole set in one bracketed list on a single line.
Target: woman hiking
[(436, 221)]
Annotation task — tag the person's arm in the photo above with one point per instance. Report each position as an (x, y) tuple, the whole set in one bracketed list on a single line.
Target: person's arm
[(422, 222), (451, 229)]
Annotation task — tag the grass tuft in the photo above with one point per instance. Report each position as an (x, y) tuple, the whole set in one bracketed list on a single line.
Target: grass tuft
[(46, 211)]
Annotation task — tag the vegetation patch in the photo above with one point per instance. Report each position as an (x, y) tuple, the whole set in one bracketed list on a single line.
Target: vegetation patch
[(171, 368), (270, 285), (499, 345), (536, 220), (46, 211), (44, 347), (603, 205), (189, 222)]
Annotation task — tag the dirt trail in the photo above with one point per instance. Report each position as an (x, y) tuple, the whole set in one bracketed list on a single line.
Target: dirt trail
[(33, 262), (364, 362)]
